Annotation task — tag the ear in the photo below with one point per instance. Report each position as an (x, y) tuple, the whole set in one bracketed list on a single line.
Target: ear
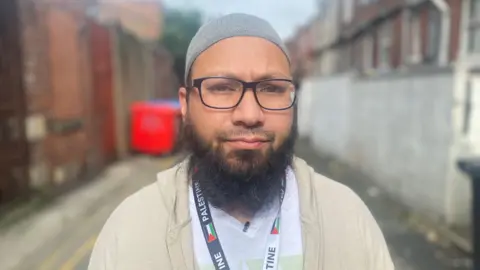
[(182, 97)]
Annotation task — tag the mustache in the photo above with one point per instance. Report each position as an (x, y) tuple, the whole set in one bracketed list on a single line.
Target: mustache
[(254, 132)]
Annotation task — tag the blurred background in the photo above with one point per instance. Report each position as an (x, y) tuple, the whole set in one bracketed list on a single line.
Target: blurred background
[(389, 104)]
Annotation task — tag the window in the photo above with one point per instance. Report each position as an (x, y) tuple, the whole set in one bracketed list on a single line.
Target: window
[(474, 33), (368, 52), (475, 9), (475, 39), (415, 38), (433, 46), (384, 45)]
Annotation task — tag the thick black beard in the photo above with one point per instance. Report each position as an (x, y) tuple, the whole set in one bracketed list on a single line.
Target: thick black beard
[(252, 184)]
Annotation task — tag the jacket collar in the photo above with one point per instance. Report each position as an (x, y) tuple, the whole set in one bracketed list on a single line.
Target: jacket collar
[(309, 214), (175, 190)]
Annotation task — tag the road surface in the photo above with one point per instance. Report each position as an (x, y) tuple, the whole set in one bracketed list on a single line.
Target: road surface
[(410, 249), (72, 247)]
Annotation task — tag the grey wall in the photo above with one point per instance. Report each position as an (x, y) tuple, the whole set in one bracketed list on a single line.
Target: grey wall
[(396, 128)]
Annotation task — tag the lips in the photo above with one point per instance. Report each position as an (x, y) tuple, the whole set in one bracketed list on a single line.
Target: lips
[(247, 143), (248, 140)]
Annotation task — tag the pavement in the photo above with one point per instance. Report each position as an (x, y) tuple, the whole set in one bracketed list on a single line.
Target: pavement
[(62, 235), (413, 244)]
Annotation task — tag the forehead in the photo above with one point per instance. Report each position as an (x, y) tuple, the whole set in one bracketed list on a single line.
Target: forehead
[(247, 58)]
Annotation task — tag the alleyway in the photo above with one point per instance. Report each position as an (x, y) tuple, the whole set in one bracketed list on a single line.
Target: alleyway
[(62, 236), (71, 241), (410, 249)]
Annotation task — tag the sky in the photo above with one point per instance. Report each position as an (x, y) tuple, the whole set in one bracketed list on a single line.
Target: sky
[(284, 15)]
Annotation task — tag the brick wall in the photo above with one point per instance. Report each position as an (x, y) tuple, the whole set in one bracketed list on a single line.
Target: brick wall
[(58, 88), (396, 49), (369, 18), (292, 46), (424, 29), (71, 94), (455, 21), (37, 88), (456, 13), (367, 13), (166, 82), (35, 56)]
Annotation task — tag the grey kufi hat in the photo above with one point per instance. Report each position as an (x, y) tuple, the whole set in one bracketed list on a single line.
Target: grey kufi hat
[(232, 25)]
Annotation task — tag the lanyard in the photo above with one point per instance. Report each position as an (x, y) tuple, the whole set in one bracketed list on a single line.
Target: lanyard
[(213, 243)]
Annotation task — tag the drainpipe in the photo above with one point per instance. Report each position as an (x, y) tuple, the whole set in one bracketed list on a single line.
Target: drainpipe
[(444, 9)]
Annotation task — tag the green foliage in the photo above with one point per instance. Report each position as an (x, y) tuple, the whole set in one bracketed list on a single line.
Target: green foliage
[(180, 27)]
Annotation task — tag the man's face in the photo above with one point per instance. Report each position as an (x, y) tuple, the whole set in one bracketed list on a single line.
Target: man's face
[(245, 136)]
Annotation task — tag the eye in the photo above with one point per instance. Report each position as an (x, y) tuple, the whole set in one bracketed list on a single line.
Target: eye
[(221, 85), (271, 88), (221, 88)]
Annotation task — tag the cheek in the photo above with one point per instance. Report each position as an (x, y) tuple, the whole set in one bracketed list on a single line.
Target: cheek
[(206, 121), (281, 124)]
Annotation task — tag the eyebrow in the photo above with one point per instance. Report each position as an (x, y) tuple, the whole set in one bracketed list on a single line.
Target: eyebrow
[(273, 76), (260, 78)]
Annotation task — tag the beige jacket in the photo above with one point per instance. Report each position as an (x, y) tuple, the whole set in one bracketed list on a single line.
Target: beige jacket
[(152, 228)]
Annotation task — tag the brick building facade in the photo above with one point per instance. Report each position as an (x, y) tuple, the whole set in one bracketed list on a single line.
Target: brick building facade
[(301, 51), (57, 93), (60, 121), (389, 34), (383, 35)]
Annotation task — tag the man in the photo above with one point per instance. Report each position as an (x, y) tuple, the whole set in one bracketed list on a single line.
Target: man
[(241, 200)]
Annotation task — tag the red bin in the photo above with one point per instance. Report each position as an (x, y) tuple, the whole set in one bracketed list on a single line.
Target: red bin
[(154, 127)]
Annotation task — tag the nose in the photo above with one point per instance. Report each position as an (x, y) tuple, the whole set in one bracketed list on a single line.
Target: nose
[(248, 113)]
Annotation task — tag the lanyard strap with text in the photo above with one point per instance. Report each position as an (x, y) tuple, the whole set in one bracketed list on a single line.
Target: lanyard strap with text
[(211, 238)]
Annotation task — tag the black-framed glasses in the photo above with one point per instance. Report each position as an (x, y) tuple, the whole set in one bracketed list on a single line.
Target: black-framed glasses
[(227, 93)]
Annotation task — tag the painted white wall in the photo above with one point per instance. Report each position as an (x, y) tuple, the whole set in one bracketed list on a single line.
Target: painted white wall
[(397, 128), (331, 129), (304, 103), (474, 121)]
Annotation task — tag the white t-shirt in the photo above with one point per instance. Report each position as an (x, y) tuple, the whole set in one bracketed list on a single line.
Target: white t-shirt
[(246, 250)]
